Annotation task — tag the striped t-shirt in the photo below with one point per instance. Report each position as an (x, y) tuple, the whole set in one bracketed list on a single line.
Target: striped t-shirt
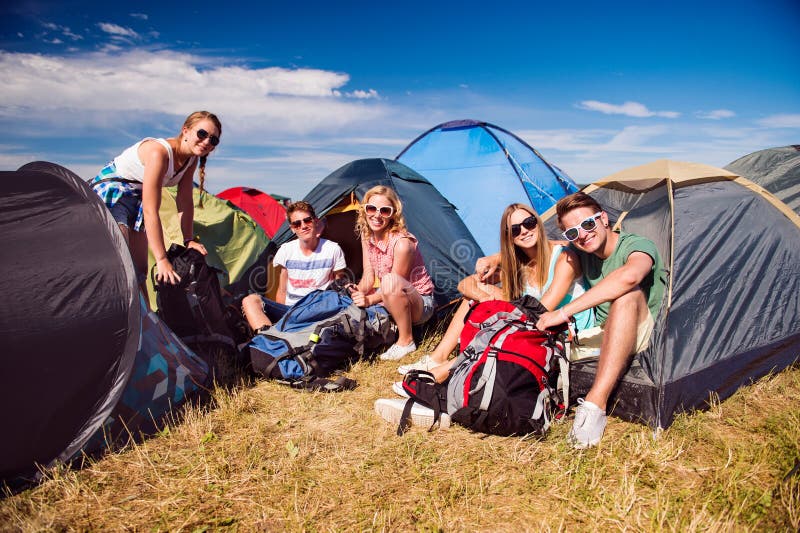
[(308, 272)]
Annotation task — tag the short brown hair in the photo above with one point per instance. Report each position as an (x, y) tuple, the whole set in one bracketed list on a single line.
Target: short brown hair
[(575, 201), (299, 206)]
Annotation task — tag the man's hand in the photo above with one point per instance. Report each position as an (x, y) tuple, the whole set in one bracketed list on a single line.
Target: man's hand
[(485, 267), (550, 319)]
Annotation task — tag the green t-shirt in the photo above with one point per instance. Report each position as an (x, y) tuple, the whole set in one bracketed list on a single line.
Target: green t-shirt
[(596, 269)]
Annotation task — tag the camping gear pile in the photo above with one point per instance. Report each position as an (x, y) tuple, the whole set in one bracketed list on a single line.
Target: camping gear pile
[(319, 335)]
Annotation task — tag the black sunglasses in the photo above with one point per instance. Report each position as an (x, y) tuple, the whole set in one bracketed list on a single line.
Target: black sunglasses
[(213, 139), (297, 223), (529, 224)]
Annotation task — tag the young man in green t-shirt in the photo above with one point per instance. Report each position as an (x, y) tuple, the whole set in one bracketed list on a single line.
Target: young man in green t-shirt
[(626, 280)]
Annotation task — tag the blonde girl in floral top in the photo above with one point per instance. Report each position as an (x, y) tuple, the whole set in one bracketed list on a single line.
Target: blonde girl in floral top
[(391, 255)]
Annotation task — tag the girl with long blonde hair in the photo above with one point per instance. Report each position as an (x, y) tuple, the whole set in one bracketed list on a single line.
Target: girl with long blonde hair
[(391, 257)]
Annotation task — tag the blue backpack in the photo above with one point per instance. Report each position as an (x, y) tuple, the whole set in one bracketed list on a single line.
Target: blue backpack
[(320, 334)]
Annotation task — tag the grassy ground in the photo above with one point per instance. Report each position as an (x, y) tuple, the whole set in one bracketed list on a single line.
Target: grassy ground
[(265, 457)]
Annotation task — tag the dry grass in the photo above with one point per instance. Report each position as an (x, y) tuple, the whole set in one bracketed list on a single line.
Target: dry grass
[(266, 457)]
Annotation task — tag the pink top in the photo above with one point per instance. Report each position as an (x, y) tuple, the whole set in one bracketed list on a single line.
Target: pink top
[(381, 257)]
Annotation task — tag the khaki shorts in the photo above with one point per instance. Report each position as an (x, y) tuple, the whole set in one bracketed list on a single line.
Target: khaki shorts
[(592, 339)]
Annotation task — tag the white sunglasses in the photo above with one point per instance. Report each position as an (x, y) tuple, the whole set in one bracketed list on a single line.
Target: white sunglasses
[(587, 224)]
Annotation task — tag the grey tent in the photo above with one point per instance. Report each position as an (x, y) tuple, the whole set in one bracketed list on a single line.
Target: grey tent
[(447, 246), (775, 169), (83, 365), (731, 311)]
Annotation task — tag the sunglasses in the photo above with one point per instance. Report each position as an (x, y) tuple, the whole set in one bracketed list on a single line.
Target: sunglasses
[(529, 224), (587, 224), (297, 223), (203, 134), (386, 211)]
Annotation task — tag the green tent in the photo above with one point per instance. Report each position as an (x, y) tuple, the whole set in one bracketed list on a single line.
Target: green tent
[(233, 239)]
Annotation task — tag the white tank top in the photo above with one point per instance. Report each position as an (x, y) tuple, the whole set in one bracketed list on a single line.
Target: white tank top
[(130, 167)]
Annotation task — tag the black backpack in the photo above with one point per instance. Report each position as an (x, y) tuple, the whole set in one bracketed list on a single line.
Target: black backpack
[(505, 380), (193, 309)]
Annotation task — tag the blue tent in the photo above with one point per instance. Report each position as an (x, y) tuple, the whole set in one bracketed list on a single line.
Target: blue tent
[(481, 168)]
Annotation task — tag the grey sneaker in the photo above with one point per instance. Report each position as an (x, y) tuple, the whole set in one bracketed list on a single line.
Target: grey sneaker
[(425, 363), (391, 409), (588, 427), (396, 352)]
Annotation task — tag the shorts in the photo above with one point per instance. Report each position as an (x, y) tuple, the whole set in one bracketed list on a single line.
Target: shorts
[(592, 339), (126, 210), (273, 310), (428, 307)]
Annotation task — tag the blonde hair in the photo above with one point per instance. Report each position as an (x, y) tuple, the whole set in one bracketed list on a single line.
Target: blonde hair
[(514, 263), (396, 222), (190, 121)]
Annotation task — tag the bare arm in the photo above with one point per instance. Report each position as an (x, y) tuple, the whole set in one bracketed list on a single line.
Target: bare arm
[(368, 276), (155, 160), (473, 288), (404, 251), (283, 282), (486, 267), (185, 204), (619, 282)]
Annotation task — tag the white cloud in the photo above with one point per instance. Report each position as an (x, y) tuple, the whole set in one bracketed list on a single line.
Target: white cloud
[(716, 114), (64, 30), (630, 109), (781, 121), (261, 103), (117, 30), (140, 16), (372, 93)]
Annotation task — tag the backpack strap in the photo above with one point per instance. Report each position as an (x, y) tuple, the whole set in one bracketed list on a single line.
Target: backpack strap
[(418, 376), (311, 383)]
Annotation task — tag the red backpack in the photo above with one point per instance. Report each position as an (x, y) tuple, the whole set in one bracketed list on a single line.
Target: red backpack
[(504, 381)]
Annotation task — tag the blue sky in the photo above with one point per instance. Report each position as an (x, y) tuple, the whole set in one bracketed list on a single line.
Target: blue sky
[(305, 87)]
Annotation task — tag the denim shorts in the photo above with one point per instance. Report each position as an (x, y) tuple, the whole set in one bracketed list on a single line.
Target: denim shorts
[(273, 309), (126, 210), (428, 307)]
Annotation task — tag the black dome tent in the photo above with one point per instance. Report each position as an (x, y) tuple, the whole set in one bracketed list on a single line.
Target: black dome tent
[(731, 312), (81, 361)]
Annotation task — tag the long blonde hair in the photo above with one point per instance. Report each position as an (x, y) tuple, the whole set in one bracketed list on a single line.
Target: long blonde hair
[(514, 263), (190, 121), (396, 222)]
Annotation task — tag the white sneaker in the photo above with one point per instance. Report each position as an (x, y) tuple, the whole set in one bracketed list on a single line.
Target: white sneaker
[(396, 352), (391, 409), (588, 427), (398, 389), (425, 362)]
